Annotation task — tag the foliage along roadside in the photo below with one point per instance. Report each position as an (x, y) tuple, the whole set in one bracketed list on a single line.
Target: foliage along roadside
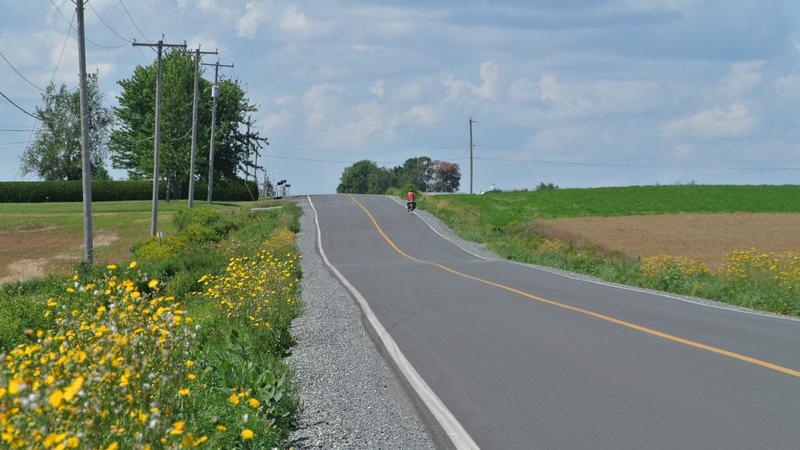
[(117, 190), (422, 174), (762, 281), (141, 357)]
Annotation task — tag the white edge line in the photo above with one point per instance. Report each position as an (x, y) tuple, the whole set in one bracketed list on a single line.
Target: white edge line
[(623, 287), (440, 234), (454, 430)]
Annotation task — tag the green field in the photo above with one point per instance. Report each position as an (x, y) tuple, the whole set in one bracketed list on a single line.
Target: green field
[(505, 207), (226, 285), (39, 238), (505, 222)]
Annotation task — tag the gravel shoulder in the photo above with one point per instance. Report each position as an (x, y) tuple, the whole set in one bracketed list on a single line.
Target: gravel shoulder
[(350, 397)]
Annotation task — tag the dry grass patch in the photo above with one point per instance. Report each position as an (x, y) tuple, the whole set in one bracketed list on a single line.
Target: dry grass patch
[(707, 238)]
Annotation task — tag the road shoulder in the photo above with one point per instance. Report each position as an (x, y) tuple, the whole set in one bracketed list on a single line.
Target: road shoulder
[(350, 396)]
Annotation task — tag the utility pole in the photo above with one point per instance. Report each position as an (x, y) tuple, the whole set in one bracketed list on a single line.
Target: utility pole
[(196, 101), (471, 146), (160, 45), (247, 136), (86, 167), (215, 95)]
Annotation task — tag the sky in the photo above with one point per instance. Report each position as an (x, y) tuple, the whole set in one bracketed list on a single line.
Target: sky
[(575, 92)]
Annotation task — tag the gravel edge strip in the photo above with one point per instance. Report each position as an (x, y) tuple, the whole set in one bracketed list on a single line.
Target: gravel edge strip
[(480, 249), (350, 397)]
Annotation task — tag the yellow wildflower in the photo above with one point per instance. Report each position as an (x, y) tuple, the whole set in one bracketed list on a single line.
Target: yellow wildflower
[(73, 388), (177, 428), (247, 434), (56, 398)]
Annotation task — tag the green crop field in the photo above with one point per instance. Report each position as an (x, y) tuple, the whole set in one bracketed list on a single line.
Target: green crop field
[(41, 238), (505, 207), (516, 225)]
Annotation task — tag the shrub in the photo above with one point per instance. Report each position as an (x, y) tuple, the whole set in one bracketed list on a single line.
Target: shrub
[(72, 191)]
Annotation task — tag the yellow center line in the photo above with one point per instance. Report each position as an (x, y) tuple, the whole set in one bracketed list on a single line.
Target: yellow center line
[(661, 334)]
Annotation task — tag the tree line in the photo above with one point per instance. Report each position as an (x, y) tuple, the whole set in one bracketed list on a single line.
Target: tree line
[(123, 135), (420, 174)]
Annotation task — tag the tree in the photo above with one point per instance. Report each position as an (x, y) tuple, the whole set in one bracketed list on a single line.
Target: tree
[(446, 176), (55, 152), (417, 172), (364, 177), (132, 144)]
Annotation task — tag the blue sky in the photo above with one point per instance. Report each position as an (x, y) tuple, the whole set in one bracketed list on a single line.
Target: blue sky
[(576, 92)]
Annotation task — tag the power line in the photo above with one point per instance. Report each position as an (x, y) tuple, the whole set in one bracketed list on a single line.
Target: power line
[(110, 47), (133, 21), (617, 155), (18, 72), (335, 150), (642, 135), (17, 106), (631, 166), (362, 130), (110, 28), (63, 46), (337, 161), (18, 129)]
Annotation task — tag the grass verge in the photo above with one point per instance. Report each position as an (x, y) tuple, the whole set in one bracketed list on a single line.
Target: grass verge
[(505, 223), (181, 348)]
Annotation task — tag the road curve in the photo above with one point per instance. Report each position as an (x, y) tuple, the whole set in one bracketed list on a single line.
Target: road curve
[(524, 358)]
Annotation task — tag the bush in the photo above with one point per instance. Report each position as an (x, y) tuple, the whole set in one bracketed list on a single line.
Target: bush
[(72, 191)]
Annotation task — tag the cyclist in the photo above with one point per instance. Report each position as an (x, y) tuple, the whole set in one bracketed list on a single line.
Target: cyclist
[(411, 204)]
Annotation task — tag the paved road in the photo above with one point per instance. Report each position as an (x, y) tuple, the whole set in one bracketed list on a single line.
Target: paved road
[(572, 365)]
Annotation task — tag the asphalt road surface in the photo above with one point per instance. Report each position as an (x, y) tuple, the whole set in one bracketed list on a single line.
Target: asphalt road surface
[(524, 358)]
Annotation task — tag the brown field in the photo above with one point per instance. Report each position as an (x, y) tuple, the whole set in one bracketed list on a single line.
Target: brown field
[(34, 252), (705, 237)]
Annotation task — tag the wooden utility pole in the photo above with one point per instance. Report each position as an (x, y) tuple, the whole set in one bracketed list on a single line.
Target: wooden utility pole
[(471, 146), (247, 158), (86, 166), (196, 100), (215, 95), (160, 45)]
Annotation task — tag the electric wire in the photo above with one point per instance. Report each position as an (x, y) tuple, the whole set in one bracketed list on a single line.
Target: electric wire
[(362, 130), (110, 28), (630, 166), (642, 135), (18, 107), (18, 72), (109, 47), (127, 13), (63, 46)]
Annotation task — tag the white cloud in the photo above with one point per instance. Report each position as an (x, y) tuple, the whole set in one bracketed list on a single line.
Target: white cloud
[(683, 150), (788, 85), (743, 77), (465, 90), (377, 89), (291, 21), (294, 21), (524, 90), (284, 100), (713, 123), (247, 24), (319, 100), (574, 99)]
